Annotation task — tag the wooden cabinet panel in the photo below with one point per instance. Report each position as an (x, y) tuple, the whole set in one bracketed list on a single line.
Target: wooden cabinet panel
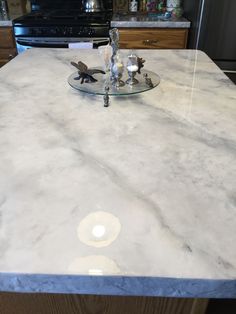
[(6, 38), (150, 38), (87, 304), (7, 53), (7, 45)]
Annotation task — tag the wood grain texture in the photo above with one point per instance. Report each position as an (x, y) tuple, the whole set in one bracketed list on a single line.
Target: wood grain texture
[(7, 53), (12, 303), (151, 38), (199, 306), (6, 37), (7, 45)]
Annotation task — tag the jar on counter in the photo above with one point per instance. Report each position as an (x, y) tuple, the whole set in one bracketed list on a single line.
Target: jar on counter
[(172, 4), (133, 7)]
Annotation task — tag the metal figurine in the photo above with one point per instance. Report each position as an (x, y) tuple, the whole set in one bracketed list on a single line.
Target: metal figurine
[(85, 74), (106, 97), (140, 64), (132, 68), (148, 80)]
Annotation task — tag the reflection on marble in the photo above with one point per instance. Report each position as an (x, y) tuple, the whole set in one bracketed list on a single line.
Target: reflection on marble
[(148, 21), (99, 229), (162, 162), (93, 265)]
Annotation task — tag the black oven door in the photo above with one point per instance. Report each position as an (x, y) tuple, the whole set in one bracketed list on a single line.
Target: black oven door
[(23, 43)]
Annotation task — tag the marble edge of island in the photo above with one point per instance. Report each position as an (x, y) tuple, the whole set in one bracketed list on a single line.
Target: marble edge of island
[(118, 285), (123, 21)]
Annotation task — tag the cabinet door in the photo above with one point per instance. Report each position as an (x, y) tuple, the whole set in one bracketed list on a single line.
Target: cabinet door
[(149, 38), (21, 303), (6, 55), (6, 38)]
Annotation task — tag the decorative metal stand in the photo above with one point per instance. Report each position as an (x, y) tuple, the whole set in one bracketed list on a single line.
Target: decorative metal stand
[(111, 83), (86, 74), (114, 36)]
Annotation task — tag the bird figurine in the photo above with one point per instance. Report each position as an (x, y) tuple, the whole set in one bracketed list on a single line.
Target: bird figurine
[(85, 74), (140, 64)]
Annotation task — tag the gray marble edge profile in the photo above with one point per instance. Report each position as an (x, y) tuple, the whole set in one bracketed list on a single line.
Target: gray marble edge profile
[(5, 23), (132, 21), (118, 285)]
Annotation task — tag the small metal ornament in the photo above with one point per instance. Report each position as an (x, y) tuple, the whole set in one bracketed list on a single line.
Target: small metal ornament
[(140, 64), (111, 84), (117, 70), (106, 97), (114, 37), (85, 74), (148, 80), (132, 68)]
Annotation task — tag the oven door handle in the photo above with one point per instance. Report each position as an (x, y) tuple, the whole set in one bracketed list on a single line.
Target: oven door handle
[(97, 43), (60, 43), (41, 44)]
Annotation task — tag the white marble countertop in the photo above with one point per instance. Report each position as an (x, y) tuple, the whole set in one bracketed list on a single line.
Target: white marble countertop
[(148, 21), (135, 199)]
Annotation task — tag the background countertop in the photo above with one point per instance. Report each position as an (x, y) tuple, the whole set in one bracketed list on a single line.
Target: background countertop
[(136, 21), (143, 21)]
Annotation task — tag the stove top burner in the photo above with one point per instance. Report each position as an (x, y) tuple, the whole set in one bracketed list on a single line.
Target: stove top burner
[(63, 23), (66, 14), (64, 17)]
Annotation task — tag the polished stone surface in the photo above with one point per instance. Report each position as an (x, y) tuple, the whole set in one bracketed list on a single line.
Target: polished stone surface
[(143, 21), (134, 199)]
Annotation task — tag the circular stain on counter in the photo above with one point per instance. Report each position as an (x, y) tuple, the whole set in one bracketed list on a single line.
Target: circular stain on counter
[(99, 229), (94, 265)]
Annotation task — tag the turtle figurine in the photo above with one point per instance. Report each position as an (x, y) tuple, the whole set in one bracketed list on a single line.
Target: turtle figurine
[(85, 74)]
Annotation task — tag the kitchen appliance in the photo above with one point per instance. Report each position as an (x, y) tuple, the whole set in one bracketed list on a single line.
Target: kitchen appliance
[(59, 23), (213, 31), (92, 5)]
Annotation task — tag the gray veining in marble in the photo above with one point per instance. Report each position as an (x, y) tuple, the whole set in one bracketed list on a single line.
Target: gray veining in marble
[(148, 21), (134, 199)]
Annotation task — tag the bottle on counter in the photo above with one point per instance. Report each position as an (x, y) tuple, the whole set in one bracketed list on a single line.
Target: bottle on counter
[(142, 6), (4, 10), (133, 7), (151, 5), (172, 4), (160, 6), (28, 6)]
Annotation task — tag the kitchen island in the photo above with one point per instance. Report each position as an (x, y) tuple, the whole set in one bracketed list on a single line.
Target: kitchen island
[(137, 199)]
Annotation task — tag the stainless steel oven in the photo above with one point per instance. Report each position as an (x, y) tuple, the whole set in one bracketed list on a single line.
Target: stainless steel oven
[(63, 24), (24, 43)]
